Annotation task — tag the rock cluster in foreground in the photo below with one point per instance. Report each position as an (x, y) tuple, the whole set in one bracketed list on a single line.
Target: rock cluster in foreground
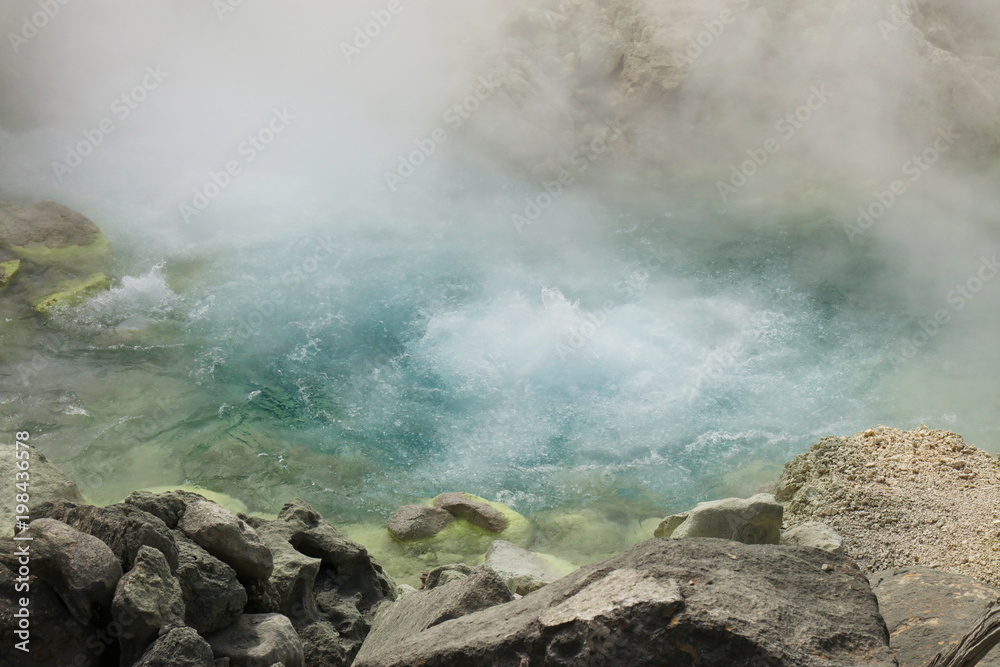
[(175, 580)]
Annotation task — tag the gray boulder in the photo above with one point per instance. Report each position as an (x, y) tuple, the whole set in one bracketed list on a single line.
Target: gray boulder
[(929, 611), (323, 645), (228, 538), (522, 570), (124, 528), (411, 615), (259, 639), (148, 601), (666, 602), (815, 534), (292, 579), (48, 484), (45, 225), (445, 574), (405, 589), (417, 522), (181, 647), (755, 520), (64, 637), (472, 509), (168, 507), (327, 585), (346, 567), (80, 568), (213, 596)]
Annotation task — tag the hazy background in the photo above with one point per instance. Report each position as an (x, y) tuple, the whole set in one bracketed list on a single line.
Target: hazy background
[(427, 344)]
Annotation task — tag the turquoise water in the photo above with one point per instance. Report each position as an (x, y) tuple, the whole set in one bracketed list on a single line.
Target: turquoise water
[(634, 360)]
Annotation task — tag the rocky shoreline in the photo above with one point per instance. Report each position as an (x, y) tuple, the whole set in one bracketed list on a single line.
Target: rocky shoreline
[(174, 578)]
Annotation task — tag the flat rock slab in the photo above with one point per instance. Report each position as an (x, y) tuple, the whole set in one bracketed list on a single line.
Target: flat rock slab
[(929, 611), (669, 602)]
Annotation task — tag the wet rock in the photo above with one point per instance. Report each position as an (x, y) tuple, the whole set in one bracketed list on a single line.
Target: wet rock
[(48, 483), (409, 616), (181, 647), (929, 611), (417, 522), (659, 604), (522, 570), (80, 568), (124, 528), (445, 574), (259, 639), (228, 538), (213, 596), (473, 509), (755, 520), (813, 534), (150, 598)]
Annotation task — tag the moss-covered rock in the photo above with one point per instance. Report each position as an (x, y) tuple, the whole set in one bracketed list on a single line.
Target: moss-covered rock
[(59, 255), (460, 542), (74, 291), (465, 537), (8, 270), (50, 233)]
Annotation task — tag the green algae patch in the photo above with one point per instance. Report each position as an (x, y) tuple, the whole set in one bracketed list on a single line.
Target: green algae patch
[(586, 536), (8, 270), (71, 254), (72, 292), (460, 542), (560, 564), (465, 538)]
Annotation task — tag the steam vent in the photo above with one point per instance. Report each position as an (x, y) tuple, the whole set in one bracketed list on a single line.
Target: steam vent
[(500, 333)]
